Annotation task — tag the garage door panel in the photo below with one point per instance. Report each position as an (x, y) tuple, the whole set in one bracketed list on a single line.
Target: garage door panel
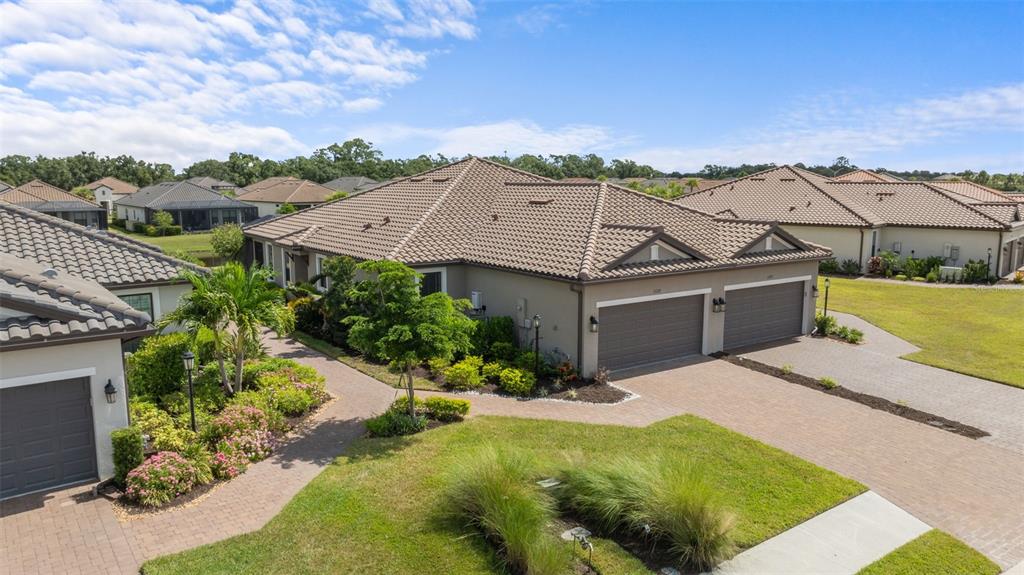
[(47, 436), (762, 314), (647, 332)]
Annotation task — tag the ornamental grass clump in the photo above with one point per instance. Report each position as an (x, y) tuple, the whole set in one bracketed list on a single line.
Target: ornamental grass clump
[(160, 479), (495, 494)]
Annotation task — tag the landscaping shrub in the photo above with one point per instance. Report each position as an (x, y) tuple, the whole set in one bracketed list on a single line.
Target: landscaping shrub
[(293, 391), (828, 266), (850, 267), (890, 263), (234, 421), (828, 383), (156, 369), (565, 372), (228, 462), (254, 444), (607, 496), (848, 334), (875, 265), (493, 330), (127, 443), (516, 381), (401, 405), (200, 458), (1018, 277), (261, 400), (293, 402), (438, 365), (975, 271), (465, 374), (914, 267), (391, 423), (309, 316), (503, 351), (917, 279), (151, 231), (208, 398), (491, 371), (160, 479), (173, 438), (932, 276), (824, 324), (446, 409), (495, 494), (900, 277)]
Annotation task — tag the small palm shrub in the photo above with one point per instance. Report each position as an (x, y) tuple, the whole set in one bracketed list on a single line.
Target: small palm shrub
[(446, 409), (465, 375), (849, 267), (516, 381), (828, 383), (494, 493), (160, 479)]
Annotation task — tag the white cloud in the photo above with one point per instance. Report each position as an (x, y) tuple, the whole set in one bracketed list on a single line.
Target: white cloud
[(362, 105), (512, 136), (823, 128), (427, 18)]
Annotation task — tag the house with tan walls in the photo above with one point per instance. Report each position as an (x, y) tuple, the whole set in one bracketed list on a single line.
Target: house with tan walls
[(42, 197), (857, 215), (270, 194), (109, 189), (617, 278)]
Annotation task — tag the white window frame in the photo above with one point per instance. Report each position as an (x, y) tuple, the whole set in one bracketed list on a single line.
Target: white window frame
[(655, 252), (444, 276), (268, 260), (323, 284)]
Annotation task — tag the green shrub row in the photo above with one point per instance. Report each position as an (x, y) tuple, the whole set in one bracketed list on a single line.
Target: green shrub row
[(471, 373), (828, 326), (397, 420)]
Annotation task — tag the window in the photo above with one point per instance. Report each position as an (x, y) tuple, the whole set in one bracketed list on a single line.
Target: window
[(322, 284), (80, 218), (259, 252), (140, 301), (287, 268), (270, 257), (230, 217), (433, 281)]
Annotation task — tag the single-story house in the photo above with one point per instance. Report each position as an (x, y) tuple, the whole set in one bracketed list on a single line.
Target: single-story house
[(857, 215), (618, 278), (42, 197), (217, 185), (4, 186), (270, 194), (192, 206), (110, 189), (352, 185), (139, 274), (62, 381)]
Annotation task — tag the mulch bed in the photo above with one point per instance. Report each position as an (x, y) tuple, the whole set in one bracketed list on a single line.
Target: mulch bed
[(871, 401), (586, 392)]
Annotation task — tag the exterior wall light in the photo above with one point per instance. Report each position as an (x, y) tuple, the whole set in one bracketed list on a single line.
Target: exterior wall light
[(593, 324), (723, 304), (110, 391), (718, 305)]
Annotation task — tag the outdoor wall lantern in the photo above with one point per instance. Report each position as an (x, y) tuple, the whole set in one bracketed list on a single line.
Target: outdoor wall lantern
[(718, 305), (593, 324), (110, 391), (814, 291), (722, 300)]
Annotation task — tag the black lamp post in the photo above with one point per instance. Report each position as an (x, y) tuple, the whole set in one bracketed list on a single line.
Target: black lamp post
[(190, 359), (827, 282), (536, 345)]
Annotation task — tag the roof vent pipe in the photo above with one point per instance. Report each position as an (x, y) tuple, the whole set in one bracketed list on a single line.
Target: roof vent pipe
[(50, 273)]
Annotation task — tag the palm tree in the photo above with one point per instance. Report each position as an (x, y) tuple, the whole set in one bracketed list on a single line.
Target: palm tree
[(693, 184), (232, 297)]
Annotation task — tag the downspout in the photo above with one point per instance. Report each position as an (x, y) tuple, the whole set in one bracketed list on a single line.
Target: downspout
[(863, 267), (579, 325), (999, 256)]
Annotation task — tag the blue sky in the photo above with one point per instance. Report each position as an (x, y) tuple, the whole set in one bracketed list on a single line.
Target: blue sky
[(675, 84)]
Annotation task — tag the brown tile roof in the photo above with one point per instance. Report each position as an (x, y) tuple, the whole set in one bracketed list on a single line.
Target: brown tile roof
[(210, 182), (118, 186), (90, 254), (866, 176), (286, 190), (793, 196), (38, 195), (352, 184), (971, 192), (51, 306), (481, 212)]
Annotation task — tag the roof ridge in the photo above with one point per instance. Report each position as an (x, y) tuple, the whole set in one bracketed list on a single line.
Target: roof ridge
[(950, 196), (829, 195), (595, 228), (656, 199), (61, 190), (733, 180), (512, 168), (393, 254)]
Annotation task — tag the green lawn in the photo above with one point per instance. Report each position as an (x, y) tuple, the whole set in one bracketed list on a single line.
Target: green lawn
[(380, 505), (197, 245), (935, 553), (374, 370), (975, 331)]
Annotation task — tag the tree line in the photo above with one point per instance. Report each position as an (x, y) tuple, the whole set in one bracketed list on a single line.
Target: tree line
[(357, 157)]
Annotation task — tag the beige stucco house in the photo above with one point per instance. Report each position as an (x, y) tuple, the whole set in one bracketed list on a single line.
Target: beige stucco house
[(270, 194), (62, 381), (109, 189), (618, 278), (862, 213)]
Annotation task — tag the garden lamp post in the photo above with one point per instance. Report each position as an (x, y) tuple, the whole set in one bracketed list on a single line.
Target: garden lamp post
[(536, 345), (827, 282), (190, 359)]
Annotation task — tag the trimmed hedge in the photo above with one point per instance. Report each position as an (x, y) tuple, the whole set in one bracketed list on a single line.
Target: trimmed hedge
[(128, 455)]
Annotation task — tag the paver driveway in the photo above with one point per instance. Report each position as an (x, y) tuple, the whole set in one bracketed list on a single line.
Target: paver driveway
[(875, 367)]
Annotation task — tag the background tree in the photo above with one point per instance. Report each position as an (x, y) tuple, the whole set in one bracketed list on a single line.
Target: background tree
[(395, 323), (84, 193), (227, 240), (692, 184), (286, 208), (340, 194)]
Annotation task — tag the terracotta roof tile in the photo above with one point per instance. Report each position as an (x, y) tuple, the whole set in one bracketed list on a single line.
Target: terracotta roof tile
[(119, 187), (866, 176), (286, 190), (40, 196)]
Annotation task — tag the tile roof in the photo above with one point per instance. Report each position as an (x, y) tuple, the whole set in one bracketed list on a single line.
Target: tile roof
[(283, 189), (971, 192), (4, 186), (793, 196), (211, 183), (179, 196), (49, 306), (481, 212), (352, 184), (116, 185), (43, 197), (866, 176), (91, 254)]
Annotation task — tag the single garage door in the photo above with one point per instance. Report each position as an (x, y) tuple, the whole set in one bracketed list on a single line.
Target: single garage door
[(46, 436), (651, 331), (760, 314)]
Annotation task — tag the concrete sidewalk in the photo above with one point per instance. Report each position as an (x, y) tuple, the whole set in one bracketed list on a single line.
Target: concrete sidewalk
[(840, 541)]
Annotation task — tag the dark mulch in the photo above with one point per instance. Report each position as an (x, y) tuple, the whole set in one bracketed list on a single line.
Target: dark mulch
[(871, 401), (586, 392)]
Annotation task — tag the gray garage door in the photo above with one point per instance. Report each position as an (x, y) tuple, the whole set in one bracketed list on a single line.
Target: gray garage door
[(46, 436), (647, 332), (757, 315)]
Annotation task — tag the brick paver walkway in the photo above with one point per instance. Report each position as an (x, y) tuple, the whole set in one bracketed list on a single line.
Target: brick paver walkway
[(971, 489)]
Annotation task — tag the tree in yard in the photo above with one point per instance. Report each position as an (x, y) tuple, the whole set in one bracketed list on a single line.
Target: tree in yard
[(162, 221), (338, 274), (287, 208), (85, 193), (227, 240), (232, 305), (395, 323), (692, 184)]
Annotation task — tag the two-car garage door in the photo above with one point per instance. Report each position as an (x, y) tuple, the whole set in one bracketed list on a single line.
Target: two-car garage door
[(651, 331), (765, 313), (46, 436)]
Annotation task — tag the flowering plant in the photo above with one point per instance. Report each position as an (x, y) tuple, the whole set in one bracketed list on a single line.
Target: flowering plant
[(235, 420), (160, 479), (228, 462)]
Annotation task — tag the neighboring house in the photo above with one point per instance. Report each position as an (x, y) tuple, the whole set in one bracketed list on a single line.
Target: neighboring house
[(4, 186), (62, 381), (42, 197), (352, 185), (138, 274), (957, 221), (193, 207), (109, 189), (270, 194), (219, 186), (619, 278), (866, 176)]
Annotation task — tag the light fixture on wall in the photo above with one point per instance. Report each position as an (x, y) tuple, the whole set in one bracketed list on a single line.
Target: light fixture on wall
[(722, 300), (110, 391), (718, 305), (593, 324)]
